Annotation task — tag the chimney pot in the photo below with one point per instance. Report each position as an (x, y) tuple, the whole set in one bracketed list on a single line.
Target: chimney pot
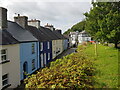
[(18, 15), (34, 22)]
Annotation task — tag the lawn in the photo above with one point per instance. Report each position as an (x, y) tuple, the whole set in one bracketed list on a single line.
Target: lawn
[(106, 64)]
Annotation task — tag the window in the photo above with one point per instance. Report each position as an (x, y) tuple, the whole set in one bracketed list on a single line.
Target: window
[(4, 56), (41, 46), (42, 62), (48, 56), (45, 58), (33, 64), (5, 80), (48, 44), (33, 48)]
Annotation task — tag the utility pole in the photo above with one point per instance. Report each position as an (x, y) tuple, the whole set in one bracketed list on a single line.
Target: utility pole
[(95, 49)]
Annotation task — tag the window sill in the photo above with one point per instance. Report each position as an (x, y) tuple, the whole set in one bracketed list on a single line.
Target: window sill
[(6, 86), (3, 62)]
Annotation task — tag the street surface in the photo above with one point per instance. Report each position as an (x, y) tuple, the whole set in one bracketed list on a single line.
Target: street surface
[(67, 52)]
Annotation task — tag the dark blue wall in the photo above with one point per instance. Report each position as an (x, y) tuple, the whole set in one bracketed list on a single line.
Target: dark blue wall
[(45, 51)]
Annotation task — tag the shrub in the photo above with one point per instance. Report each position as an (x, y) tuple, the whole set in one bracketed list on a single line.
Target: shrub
[(72, 71)]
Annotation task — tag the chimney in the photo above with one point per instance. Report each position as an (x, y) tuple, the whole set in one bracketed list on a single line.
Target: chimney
[(21, 20), (58, 30), (51, 27), (35, 23), (3, 18)]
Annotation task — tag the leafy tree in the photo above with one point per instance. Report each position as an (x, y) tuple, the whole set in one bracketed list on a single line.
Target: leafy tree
[(77, 27), (103, 22)]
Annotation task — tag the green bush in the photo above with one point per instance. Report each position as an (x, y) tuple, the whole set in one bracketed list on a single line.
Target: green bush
[(72, 71)]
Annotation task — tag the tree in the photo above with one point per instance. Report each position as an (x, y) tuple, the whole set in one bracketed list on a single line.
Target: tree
[(103, 22), (77, 27)]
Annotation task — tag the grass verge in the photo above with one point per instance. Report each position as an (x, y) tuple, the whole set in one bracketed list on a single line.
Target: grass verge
[(106, 64)]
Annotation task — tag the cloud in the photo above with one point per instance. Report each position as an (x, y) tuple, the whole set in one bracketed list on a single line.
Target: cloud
[(62, 14)]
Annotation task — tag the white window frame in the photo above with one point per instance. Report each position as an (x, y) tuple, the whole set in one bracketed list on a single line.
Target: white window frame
[(48, 44), (48, 56), (42, 60), (45, 62), (3, 55), (41, 46), (5, 80)]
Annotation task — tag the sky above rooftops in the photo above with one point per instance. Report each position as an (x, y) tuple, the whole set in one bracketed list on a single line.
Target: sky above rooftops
[(63, 14)]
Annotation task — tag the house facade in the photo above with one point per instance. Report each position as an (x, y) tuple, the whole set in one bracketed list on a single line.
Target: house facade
[(28, 58), (83, 37), (10, 66), (25, 47), (45, 42), (9, 55), (78, 37), (73, 37), (28, 46), (57, 40)]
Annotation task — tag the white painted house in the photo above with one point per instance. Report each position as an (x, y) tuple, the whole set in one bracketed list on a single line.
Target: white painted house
[(73, 37), (83, 37)]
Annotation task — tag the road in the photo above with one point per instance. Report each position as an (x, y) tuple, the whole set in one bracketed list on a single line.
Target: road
[(69, 51)]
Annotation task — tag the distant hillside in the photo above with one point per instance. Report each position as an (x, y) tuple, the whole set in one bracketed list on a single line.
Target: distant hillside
[(77, 27)]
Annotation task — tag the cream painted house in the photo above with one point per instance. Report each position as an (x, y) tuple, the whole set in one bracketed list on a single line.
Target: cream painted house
[(9, 55), (57, 48), (10, 64), (54, 48)]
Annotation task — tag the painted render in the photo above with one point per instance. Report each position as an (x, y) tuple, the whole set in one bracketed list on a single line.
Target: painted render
[(11, 68), (57, 47), (44, 60), (65, 44), (26, 56)]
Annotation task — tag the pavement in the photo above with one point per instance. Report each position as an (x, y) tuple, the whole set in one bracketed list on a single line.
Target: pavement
[(66, 52)]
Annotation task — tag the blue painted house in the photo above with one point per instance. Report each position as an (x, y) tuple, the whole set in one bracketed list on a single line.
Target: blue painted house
[(50, 35), (28, 46), (45, 44)]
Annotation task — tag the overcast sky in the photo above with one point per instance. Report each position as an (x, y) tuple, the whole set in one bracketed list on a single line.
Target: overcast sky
[(60, 13)]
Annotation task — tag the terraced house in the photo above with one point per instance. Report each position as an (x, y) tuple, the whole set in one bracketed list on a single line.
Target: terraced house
[(25, 47), (9, 55), (45, 42), (58, 40)]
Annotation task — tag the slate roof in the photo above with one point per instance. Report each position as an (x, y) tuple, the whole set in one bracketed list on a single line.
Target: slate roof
[(19, 33), (48, 33), (6, 38), (59, 35), (66, 36), (38, 34)]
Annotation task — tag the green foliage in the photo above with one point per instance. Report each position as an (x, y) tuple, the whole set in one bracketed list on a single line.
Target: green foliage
[(72, 71), (103, 22), (77, 27)]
